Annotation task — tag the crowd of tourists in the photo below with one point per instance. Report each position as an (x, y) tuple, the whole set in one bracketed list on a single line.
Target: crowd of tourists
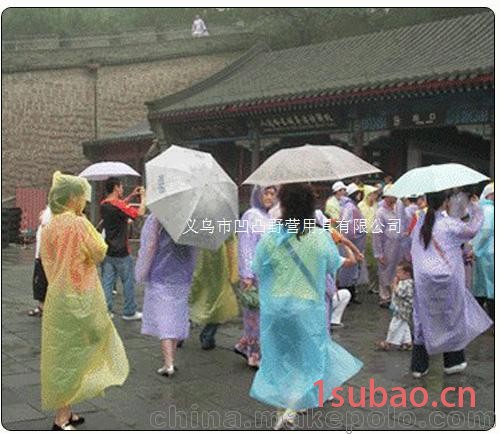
[(428, 257)]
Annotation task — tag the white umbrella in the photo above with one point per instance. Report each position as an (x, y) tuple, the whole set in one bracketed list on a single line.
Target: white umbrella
[(186, 187), (106, 169), (437, 177), (309, 163)]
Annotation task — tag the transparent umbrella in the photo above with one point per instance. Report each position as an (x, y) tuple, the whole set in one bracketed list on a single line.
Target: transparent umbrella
[(309, 163), (437, 177), (106, 169)]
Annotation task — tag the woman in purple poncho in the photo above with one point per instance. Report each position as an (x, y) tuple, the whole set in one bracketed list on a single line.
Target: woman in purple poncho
[(256, 221), (167, 270), (446, 316)]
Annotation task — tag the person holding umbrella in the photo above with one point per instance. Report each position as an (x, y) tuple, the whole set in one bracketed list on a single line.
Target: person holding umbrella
[(256, 218), (82, 353), (291, 265), (446, 316), (167, 270), (185, 187)]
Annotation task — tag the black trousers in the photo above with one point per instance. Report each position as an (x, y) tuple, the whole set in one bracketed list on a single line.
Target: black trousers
[(489, 304), (420, 358), (207, 335)]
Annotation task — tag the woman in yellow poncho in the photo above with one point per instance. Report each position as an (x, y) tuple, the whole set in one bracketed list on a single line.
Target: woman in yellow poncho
[(213, 300), (82, 353)]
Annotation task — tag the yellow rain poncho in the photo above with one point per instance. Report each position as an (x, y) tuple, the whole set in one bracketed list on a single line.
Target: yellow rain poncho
[(82, 353), (369, 265), (367, 210), (212, 299)]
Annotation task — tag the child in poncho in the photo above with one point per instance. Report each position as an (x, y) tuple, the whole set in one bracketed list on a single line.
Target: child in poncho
[(399, 334)]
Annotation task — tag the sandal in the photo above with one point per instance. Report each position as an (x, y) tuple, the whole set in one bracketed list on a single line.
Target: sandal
[(384, 346), (64, 427), (76, 420), (406, 347), (37, 311)]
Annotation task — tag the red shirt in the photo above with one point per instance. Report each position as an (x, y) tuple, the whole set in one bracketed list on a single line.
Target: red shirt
[(115, 214)]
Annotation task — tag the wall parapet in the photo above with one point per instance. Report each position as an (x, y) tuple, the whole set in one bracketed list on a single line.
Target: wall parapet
[(42, 54)]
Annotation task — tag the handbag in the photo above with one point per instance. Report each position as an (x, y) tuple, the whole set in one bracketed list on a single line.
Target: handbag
[(248, 298)]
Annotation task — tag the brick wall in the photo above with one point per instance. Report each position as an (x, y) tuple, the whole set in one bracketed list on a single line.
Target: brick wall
[(47, 114)]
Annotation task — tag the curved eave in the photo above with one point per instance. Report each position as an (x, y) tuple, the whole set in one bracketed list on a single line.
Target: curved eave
[(356, 95)]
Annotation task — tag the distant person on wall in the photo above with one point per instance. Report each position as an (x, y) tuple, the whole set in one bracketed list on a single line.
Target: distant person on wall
[(116, 213), (199, 29)]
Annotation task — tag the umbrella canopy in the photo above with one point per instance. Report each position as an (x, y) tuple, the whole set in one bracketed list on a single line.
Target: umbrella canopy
[(186, 188), (106, 169), (309, 163), (436, 177)]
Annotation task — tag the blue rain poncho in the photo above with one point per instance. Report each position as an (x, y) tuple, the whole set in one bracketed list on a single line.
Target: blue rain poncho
[(297, 350), (484, 251)]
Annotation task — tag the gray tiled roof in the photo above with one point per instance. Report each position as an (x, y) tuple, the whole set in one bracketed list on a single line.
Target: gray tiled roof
[(446, 49), (142, 130)]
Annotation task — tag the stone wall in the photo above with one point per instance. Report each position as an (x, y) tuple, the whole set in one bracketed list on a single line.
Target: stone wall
[(47, 114)]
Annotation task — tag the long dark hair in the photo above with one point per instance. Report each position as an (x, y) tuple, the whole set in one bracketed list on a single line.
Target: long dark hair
[(434, 202), (297, 202)]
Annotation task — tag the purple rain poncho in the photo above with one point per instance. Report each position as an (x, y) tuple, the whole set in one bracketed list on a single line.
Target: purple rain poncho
[(258, 219), (445, 314), (350, 213), (407, 214), (167, 270), (386, 243)]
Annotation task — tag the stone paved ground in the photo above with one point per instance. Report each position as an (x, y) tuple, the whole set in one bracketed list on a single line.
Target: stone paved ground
[(210, 390)]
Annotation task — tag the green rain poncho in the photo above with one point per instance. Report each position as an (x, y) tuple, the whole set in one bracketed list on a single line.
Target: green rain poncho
[(212, 297), (82, 353)]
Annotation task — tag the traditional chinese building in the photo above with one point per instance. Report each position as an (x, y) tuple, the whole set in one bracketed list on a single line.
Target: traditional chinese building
[(401, 98)]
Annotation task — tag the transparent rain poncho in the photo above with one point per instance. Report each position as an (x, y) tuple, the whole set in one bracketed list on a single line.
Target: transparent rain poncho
[(82, 353), (297, 350), (212, 298)]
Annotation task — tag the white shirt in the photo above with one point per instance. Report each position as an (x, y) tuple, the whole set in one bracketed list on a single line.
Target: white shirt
[(44, 221)]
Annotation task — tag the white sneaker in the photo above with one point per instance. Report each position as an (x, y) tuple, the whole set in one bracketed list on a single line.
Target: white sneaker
[(168, 372), (455, 369), (135, 317), (420, 374), (286, 421)]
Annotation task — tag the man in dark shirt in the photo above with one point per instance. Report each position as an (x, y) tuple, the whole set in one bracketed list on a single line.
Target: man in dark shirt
[(115, 213)]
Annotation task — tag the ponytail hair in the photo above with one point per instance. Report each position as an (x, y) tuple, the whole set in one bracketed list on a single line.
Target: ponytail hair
[(426, 230), (434, 202)]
